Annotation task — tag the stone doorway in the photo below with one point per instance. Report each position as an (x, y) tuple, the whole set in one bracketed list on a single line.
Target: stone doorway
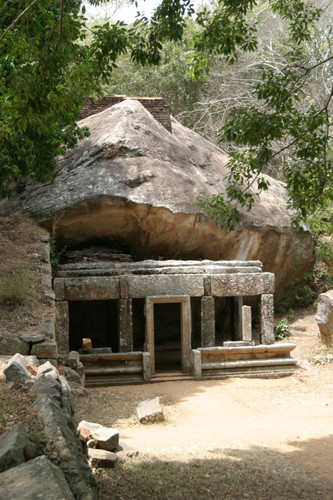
[(153, 344), (95, 319)]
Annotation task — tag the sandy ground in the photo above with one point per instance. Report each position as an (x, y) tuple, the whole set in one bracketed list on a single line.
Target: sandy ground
[(291, 416)]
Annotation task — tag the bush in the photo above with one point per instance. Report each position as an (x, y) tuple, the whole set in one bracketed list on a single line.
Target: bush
[(281, 329), (17, 286)]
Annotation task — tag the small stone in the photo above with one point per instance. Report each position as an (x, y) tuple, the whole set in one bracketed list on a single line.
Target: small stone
[(84, 434), (150, 411), (86, 344), (69, 374), (102, 458), (32, 369)]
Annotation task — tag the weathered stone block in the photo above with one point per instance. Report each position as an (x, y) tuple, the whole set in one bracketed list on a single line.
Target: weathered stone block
[(38, 478), (46, 349), (45, 368), (10, 345), (34, 338), (325, 317)]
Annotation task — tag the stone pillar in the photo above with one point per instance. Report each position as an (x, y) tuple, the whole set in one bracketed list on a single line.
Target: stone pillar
[(207, 322), (267, 318), (146, 367), (62, 326), (125, 325), (196, 363), (238, 307), (246, 324)]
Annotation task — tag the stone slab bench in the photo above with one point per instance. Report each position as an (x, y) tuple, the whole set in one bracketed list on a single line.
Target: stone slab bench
[(240, 360), (117, 364)]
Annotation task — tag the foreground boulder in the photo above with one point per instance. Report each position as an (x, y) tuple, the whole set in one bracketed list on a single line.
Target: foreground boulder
[(325, 317), (38, 478), (146, 180), (15, 447)]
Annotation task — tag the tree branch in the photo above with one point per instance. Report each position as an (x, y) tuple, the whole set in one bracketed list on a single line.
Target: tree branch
[(18, 19)]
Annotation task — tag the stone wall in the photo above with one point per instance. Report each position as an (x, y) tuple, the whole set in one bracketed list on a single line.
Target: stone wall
[(157, 106)]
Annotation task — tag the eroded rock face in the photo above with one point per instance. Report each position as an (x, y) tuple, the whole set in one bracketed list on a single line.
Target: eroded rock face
[(134, 185)]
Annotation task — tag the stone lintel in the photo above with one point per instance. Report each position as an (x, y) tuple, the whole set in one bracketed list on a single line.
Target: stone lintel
[(103, 288), (267, 319), (125, 319), (207, 321), (233, 285), (158, 285)]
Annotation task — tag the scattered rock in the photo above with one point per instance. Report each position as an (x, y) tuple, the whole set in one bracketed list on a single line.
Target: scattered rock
[(48, 386), (106, 437), (38, 478), (15, 445), (69, 374), (101, 458), (150, 411), (16, 369), (45, 368), (325, 317)]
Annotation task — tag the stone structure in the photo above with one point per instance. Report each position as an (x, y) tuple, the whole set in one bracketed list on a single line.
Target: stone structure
[(133, 186), (213, 288), (157, 106)]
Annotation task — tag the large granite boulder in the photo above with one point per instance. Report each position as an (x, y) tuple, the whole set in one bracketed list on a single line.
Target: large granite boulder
[(134, 185), (325, 317)]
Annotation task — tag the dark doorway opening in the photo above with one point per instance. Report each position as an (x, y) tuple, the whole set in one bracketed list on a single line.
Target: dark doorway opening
[(167, 330), (94, 319)]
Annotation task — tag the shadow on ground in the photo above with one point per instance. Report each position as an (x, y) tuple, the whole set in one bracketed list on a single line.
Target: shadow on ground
[(257, 473)]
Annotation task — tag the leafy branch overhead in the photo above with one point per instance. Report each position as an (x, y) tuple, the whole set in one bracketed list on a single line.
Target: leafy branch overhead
[(51, 58)]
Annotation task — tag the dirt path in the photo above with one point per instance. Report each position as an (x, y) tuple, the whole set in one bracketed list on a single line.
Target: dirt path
[(288, 418)]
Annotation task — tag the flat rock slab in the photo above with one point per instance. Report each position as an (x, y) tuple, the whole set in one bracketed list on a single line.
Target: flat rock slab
[(15, 444), (106, 437), (150, 411), (102, 458), (38, 478)]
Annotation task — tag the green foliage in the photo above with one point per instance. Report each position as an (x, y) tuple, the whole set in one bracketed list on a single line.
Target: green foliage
[(223, 212), (17, 286), (46, 70), (281, 329)]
